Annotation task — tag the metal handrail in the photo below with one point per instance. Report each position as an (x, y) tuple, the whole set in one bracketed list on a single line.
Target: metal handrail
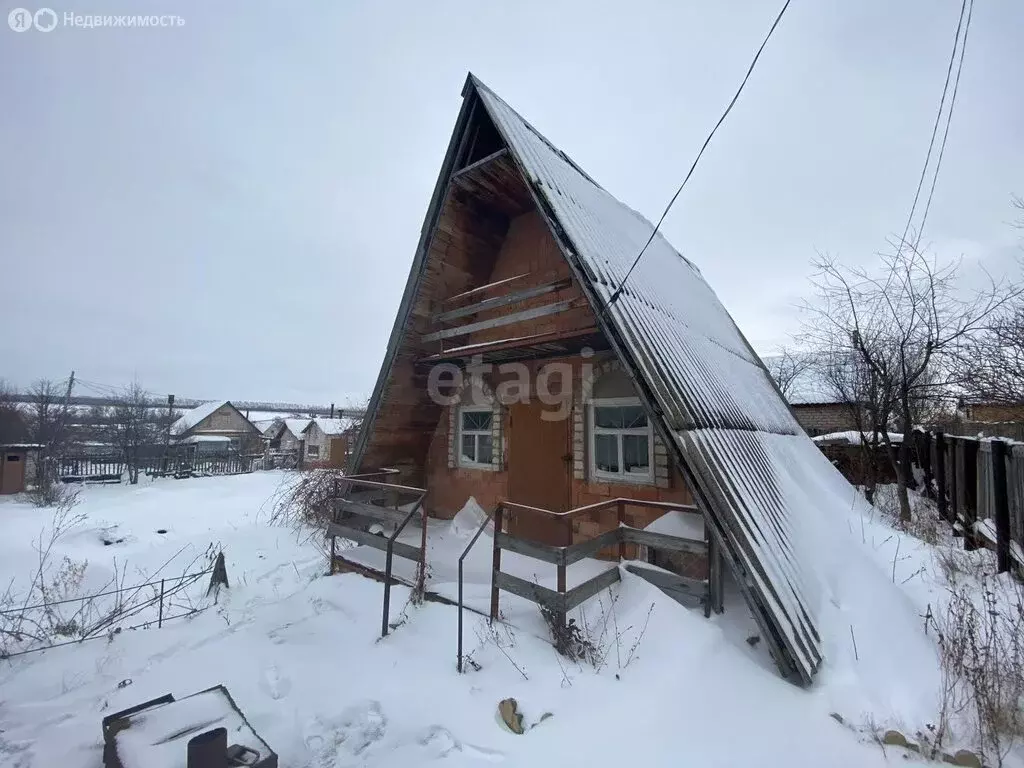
[(390, 555), (598, 506), (462, 557)]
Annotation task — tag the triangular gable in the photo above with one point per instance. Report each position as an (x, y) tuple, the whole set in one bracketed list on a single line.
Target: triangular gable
[(756, 474)]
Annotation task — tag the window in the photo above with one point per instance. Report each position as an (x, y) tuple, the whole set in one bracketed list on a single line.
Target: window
[(313, 451), (620, 440), (475, 441)]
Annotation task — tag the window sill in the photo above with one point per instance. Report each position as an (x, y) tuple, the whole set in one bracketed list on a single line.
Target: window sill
[(473, 465), (607, 479)]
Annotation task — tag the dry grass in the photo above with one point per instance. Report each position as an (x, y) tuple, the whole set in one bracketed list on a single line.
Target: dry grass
[(981, 643)]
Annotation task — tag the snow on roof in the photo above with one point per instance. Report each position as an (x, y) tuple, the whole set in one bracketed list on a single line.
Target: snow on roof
[(297, 426), (190, 418), (207, 439), (331, 427), (764, 481), (265, 424)]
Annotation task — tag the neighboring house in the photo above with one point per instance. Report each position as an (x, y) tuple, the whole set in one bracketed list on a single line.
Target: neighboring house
[(994, 412), (218, 424), (267, 426), (288, 435), (17, 466), (327, 440), (655, 396), (816, 406)]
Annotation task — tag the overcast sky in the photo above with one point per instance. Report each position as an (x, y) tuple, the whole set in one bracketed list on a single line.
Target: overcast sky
[(229, 208)]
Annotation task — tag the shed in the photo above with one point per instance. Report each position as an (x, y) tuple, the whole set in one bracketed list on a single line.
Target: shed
[(17, 465)]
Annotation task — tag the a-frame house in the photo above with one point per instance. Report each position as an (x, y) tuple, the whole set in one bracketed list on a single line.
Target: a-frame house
[(660, 396)]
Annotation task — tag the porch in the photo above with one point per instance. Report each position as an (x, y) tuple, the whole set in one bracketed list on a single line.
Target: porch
[(381, 529)]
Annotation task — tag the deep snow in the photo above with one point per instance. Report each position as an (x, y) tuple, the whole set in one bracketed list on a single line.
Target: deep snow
[(301, 655)]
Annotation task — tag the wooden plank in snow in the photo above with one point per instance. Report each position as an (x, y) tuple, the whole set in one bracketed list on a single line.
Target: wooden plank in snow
[(545, 552), (532, 592), (589, 588), (663, 541), (373, 540)]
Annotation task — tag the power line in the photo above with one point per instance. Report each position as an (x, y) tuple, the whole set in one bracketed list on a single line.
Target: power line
[(938, 119), (618, 291), (949, 118)]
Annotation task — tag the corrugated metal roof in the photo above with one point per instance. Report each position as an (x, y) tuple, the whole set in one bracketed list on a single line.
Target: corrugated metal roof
[(752, 461)]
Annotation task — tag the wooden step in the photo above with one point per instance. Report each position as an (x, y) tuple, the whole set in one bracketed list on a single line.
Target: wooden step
[(679, 588)]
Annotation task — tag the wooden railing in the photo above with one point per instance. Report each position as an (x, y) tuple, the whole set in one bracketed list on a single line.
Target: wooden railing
[(562, 600), (359, 503)]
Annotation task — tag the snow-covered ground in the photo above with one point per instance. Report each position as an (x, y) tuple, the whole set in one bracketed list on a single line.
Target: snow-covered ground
[(301, 654)]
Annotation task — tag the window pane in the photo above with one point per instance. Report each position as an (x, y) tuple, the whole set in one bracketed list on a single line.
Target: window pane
[(633, 416), (476, 420), (469, 447), (635, 454), (606, 453), (608, 417), (483, 449)]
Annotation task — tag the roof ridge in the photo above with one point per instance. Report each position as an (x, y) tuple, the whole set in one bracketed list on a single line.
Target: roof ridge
[(477, 83)]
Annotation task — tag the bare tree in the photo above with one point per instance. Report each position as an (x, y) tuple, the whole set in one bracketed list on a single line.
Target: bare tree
[(47, 416), (787, 367), (992, 368), (133, 427), (904, 322), (867, 397)]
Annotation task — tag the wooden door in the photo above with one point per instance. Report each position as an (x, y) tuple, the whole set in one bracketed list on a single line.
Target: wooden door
[(539, 461), (12, 473)]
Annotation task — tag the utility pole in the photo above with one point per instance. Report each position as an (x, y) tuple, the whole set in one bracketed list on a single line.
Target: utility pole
[(167, 433), (64, 411)]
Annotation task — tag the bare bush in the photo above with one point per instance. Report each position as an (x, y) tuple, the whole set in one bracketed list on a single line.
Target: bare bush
[(303, 503), (49, 491), (593, 643), (51, 609), (570, 639), (981, 644)]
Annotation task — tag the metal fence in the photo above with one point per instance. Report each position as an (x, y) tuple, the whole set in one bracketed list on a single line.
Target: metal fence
[(41, 626), (978, 484)]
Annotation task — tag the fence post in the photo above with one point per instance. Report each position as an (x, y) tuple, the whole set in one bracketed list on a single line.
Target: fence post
[(1001, 499), (160, 618), (940, 476), (219, 576), (924, 457), (622, 518), (499, 515)]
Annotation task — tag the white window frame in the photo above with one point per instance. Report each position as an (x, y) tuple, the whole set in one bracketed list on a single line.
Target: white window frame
[(312, 447), (621, 476), (462, 460)]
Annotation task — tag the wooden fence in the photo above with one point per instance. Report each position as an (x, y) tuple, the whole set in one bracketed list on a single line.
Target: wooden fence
[(978, 484), (109, 468)]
